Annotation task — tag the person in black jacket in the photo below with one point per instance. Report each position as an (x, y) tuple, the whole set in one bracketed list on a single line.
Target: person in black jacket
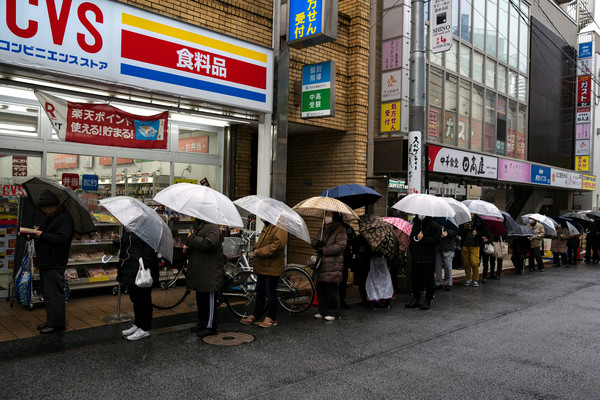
[(132, 248), (52, 246), (425, 236)]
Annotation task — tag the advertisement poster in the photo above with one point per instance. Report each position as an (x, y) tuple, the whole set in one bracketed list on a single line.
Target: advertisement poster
[(520, 146), (433, 129), (589, 182), (104, 125), (8, 245), (511, 140)]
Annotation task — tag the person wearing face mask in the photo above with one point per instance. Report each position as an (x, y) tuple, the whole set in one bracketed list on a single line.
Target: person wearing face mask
[(269, 263), (536, 242), (424, 238), (328, 276)]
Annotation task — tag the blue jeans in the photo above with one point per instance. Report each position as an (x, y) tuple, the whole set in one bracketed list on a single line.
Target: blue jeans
[(266, 286)]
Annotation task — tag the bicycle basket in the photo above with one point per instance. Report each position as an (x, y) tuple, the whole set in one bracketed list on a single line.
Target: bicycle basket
[(232, 246)]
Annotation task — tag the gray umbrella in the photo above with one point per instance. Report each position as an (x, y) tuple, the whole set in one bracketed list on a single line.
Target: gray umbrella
[(82, 219)]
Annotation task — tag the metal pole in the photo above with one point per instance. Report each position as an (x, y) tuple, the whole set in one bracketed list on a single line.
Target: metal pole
[(417, 77), (118, 317)]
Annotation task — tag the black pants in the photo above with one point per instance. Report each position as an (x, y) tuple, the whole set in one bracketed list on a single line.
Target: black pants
[(329, 300), (588, 247), (423, 278), (572, 255), (266, 286), (491, 262), (344, 285), (361, 271), (394, 265), (535, 256), (53, 288), (207, 309), (517, 261), (142, 306)]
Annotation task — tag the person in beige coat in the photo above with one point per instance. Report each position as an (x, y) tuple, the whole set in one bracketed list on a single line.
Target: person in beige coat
[(535, 254), (269, 263)]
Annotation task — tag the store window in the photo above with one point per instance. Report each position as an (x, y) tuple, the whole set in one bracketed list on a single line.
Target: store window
[(479, 24), (192, 140), (450, 92), (477, 118), (503, 30), (478, 67), (501, 148), (465, 20), (502, 78), (18, 119), (513, 121), (513, 47), (513, 84), (207, 175), (524, 40), (435, 105), (465, 61), (451, 57), (521, 133), (489, 129), (490, 73), (464, 109), (491, 34), (455, 19)]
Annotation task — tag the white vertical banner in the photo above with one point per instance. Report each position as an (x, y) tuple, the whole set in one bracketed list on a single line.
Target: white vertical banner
[(441, 26), (415, 143)]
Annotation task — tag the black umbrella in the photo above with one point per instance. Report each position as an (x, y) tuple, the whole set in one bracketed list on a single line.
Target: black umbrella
[(521, 230), (509, 221), (581, 219), (83, 221), (593, 214)]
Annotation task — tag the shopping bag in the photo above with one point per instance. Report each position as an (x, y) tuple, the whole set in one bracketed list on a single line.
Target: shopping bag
[(488, 249), (143, 278), (501, 249), (379, 282)]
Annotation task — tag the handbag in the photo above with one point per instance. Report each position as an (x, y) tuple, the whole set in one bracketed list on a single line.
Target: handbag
[(488, 249), (143, 278), (314, 261), (501, 249)]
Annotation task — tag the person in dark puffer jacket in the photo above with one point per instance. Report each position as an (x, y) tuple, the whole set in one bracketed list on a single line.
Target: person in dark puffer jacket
[(329, 275)]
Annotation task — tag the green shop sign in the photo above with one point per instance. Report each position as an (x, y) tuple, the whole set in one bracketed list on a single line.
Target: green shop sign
[(318, 90)]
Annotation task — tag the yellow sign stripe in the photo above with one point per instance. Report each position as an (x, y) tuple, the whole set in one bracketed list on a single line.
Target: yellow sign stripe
[(177, 33)]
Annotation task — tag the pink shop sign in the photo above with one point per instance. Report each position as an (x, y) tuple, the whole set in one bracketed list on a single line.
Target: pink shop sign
[(391, 57), (514, 171)]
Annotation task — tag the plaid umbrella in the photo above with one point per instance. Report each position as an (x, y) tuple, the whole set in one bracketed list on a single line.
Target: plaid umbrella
[(379, 235), (317, 206)]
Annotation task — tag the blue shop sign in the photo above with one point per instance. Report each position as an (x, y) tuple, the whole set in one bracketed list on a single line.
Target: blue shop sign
[(90, 182), (585, 50), (540, 175), (312, 22)]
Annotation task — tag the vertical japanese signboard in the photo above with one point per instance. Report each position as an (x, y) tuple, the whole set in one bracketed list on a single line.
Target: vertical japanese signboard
[(584, 92), (390, 117), (441, 27), (311, 22), (584, 102), (414, 162), (318, 90)]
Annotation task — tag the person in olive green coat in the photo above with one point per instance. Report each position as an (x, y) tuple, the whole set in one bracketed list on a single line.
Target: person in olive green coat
[(269, 263), (206, 274)]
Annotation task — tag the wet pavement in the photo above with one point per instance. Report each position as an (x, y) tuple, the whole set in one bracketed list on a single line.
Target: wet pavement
[(532, 336)]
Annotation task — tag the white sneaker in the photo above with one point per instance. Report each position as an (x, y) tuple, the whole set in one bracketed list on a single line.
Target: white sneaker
[(475, 284), (330, 318), (139, 334), (318, 316), (129, 331), (469, 282)]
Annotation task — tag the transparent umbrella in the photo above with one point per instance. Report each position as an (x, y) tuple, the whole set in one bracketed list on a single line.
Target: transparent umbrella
[(548, 223), (277, 213), (463, 214), (425, 204), (200, 202), (481, 207), (142, 221)]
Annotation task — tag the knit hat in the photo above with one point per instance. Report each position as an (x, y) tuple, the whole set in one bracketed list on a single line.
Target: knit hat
[(47, 199)]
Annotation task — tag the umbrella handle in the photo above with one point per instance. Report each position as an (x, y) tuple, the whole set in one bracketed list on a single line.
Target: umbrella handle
[(107, 260)]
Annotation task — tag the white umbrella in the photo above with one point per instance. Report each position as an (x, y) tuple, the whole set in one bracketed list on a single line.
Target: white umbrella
[(481, 207), (462, 212), (547, 223), (277, 213), (200, 202), (425, 204), (143, 221)]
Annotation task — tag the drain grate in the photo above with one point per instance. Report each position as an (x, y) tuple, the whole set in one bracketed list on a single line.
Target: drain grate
[(228, 339)]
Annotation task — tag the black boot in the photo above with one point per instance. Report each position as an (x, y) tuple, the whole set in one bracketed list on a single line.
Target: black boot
[(426, 304), (414, 303)]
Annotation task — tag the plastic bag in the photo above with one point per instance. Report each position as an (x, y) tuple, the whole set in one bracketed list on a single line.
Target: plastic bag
[(314, 261), (379, 282), (488, 249), (143, 278)]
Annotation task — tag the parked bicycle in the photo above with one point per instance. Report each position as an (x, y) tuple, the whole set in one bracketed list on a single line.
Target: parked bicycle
[(295, 289)]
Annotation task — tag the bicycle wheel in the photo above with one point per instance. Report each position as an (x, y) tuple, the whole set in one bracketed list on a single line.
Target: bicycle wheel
[(295, 290), (239, 294), (170, 290)]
